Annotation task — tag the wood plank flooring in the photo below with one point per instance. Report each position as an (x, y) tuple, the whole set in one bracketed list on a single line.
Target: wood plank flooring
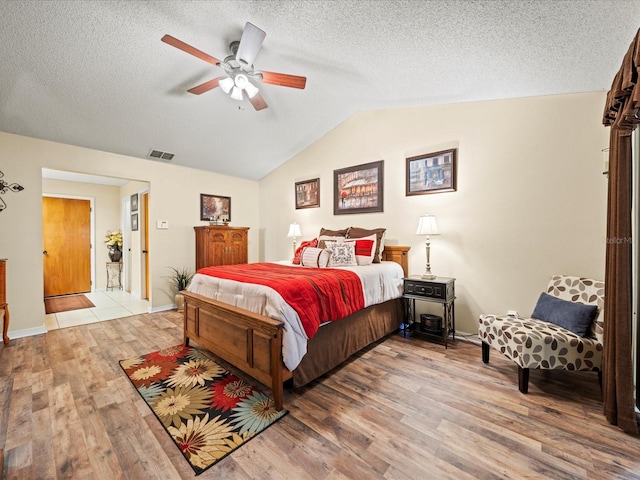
[(402, 409)]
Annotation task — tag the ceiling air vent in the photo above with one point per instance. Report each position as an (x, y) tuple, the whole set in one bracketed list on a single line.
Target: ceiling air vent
[(159, 155)]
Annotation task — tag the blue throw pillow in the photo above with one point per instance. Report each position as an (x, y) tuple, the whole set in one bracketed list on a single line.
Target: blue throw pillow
[(575, 317)]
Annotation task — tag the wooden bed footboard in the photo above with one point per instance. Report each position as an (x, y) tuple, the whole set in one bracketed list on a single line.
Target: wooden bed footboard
[(248, 341)]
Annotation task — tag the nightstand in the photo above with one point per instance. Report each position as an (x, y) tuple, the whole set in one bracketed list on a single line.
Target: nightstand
[(438, 290)]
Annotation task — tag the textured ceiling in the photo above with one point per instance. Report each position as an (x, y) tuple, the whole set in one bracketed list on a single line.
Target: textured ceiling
[(95, 73)]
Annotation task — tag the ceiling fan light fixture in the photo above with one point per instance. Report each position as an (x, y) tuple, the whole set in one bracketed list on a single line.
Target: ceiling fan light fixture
[(241, 80), (226, 84), (236, 93), (251, 90)]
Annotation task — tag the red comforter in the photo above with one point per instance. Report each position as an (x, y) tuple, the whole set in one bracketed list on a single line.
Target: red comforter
[(318, 295)]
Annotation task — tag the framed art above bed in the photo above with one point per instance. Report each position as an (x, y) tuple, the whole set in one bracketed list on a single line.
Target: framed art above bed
[(432, 173), (359, 189), (308, 193)]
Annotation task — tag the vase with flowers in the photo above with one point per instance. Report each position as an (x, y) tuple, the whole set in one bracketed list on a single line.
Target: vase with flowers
[(113, 241)]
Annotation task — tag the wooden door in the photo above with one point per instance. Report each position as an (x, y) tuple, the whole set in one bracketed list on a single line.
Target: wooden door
[(66, 239), (145, 252)]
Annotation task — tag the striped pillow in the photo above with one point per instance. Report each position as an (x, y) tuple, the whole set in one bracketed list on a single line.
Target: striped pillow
[(315, 257)]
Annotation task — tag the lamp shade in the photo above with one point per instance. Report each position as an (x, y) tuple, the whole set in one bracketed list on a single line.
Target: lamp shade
[(427, 225), (236, 93), (226, 84), (251, 89), (294, 230)]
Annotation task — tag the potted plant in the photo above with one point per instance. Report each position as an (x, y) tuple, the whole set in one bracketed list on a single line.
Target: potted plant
[(179, 279), (113, 241)]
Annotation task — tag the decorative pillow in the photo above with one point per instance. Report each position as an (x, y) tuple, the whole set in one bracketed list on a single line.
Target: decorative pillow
[(365, 249), (343, 254), (334, 233), (575, 317), (315, 257), (298, 254), (322, 238), (357, 232)]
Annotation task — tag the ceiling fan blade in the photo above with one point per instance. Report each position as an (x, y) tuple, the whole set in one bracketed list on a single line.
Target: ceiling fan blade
[(174, 42), (206, 86), (250, 43), (258, 102), (284, 80)]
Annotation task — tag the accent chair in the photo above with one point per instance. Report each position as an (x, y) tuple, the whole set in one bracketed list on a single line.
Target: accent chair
[(568, 301)]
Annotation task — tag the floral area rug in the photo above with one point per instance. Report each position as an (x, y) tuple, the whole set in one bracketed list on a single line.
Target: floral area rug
[(208, 411)]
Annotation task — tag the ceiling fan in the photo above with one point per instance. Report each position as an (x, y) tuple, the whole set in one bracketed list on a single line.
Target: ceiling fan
[(239, 68)]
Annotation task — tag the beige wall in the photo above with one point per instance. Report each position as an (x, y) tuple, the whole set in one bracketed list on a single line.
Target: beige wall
[(531, 198), (174, 197)]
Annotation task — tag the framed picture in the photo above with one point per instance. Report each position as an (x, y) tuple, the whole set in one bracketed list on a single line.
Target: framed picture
[(308, 193), (134, 222), (134, 202), (215, 207), (432, 173), (358, 189)]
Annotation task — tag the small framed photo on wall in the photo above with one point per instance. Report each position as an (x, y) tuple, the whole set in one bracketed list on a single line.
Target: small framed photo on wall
[(432, 173), (134, 222), (308, 193), (134, 202)]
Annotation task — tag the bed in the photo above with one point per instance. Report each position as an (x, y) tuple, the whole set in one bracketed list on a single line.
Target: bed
[(253, 342)]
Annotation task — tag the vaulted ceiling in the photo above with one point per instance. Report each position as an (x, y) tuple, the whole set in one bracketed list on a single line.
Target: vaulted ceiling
[(95, 73)]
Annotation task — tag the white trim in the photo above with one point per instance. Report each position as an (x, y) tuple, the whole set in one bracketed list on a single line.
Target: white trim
[(27, 332), (163, 308)]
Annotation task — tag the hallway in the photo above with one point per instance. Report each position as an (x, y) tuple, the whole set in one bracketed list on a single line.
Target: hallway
[(108, 305)]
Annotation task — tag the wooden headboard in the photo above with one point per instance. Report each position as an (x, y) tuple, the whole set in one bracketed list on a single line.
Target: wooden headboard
[(398, 254)]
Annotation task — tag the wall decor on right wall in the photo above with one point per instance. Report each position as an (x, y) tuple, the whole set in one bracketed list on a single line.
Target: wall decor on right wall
[(432, 173)]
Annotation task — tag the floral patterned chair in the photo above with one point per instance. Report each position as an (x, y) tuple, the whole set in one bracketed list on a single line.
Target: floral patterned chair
[(534, 343)]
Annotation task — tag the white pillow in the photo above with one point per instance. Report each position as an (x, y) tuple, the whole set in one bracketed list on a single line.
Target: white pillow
[(364, 249), (315, 257), (331, 238), (343, 254)]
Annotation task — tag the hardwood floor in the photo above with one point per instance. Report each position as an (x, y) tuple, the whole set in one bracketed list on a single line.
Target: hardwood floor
[(402, 409)]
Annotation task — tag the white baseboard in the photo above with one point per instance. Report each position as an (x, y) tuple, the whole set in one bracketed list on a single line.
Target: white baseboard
[(163, 308), (27, 332)]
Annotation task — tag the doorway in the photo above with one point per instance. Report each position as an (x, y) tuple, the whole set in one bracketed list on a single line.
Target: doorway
[(66, 239), (109, 211)]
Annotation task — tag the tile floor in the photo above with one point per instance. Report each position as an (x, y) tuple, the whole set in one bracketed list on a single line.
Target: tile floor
[(108, 305)]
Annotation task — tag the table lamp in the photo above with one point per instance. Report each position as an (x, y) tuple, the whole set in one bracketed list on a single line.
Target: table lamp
[(428, 226), (294, 231)]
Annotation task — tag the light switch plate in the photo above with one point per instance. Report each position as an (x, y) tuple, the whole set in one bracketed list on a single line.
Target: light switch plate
[(162, 224)]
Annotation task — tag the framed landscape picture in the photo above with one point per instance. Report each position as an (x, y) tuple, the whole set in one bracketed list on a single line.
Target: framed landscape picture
[(358, 189), (308, 193), (215, 207), (432, 173)]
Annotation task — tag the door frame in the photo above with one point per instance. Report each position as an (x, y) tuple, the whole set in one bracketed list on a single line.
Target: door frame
[(92, 233)]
